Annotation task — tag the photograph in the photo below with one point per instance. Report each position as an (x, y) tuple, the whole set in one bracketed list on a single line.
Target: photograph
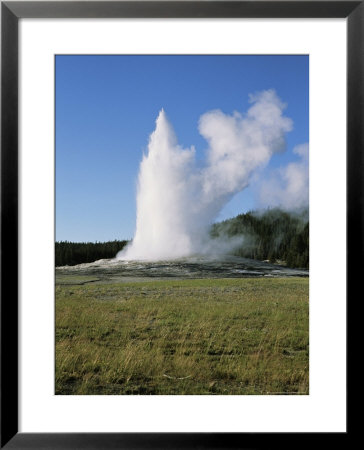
[(181, 224)]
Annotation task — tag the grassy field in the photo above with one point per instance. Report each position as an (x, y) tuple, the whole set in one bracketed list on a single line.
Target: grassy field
[(211, 336)]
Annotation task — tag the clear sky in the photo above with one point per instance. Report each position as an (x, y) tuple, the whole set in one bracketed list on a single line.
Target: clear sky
[(106, 107)]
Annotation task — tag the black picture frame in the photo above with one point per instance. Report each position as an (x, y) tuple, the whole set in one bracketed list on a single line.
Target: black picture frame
[(11, 12)]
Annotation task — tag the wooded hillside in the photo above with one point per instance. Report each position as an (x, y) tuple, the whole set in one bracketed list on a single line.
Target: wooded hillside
[(274, 235)]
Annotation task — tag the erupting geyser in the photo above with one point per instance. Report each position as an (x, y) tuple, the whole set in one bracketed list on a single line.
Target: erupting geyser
[(177, 201)]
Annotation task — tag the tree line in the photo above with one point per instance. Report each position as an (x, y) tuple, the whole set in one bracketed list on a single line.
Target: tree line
[(72, 253), (274, 235)]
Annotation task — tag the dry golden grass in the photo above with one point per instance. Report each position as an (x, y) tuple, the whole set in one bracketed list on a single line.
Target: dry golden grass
[(216, 336)]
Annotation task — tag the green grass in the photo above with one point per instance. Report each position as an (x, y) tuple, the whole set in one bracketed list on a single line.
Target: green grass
[(216, 336)]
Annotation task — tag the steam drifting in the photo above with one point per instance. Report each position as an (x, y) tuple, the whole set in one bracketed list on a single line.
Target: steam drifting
[(287, 187), (176, 200)]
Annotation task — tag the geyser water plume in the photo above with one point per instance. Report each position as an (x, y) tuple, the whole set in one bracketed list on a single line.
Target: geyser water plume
[(176, 201)]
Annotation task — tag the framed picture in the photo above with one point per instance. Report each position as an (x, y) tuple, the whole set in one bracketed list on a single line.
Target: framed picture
[(194, 322)]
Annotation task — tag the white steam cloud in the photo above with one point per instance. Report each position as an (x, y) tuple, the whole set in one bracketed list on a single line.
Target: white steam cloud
[(176, 200), (287, 187)]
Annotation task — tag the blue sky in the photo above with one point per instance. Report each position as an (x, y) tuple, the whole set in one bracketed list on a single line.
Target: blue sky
[(106, 107)]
